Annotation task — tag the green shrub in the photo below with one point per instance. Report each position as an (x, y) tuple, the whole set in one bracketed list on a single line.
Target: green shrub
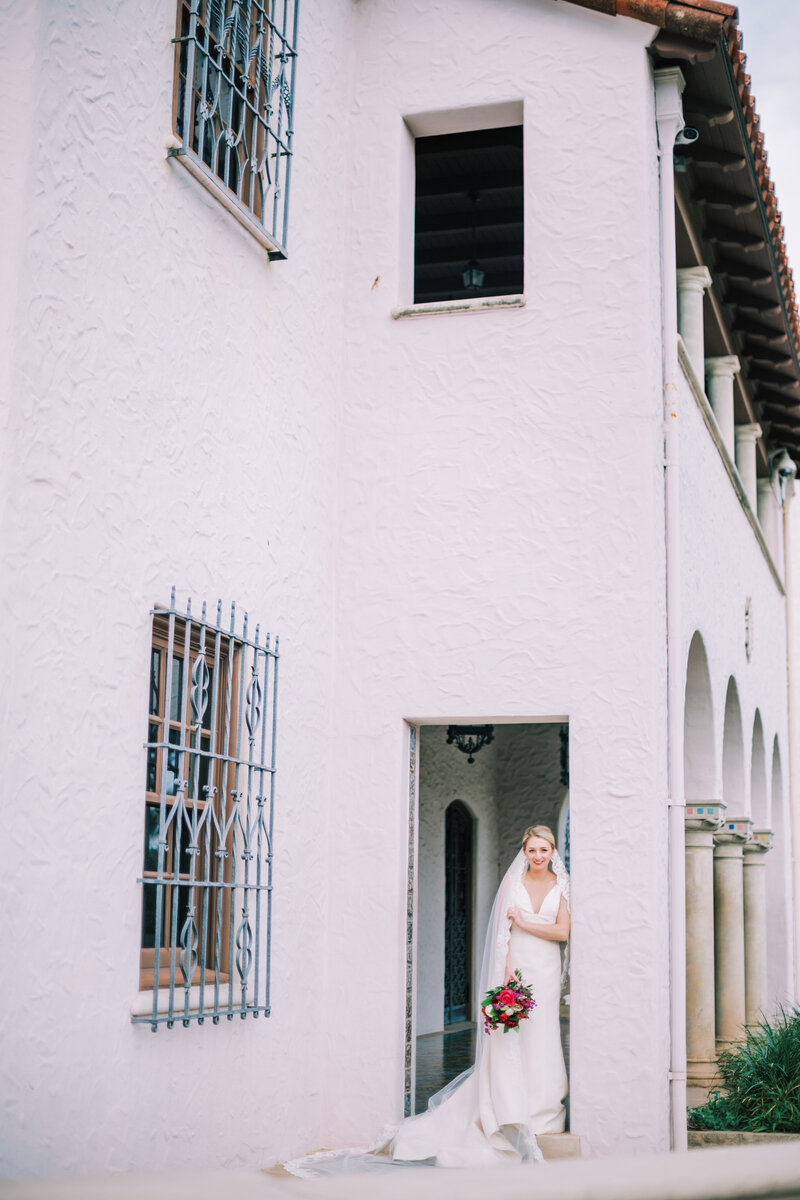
[(759, 1082)]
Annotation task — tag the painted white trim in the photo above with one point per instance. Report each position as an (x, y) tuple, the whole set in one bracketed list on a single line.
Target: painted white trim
[(668, 85), (465, 120), (458, 306), (216, 188), (142, 1003)]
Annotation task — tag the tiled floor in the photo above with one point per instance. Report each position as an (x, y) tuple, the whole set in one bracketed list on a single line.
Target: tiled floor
[(442, 1056)]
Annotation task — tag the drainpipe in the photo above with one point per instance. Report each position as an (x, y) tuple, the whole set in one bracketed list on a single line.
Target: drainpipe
[(669, 84), (791, 795)]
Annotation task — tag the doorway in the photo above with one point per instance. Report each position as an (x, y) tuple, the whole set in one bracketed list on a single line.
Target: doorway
[(465, 822)]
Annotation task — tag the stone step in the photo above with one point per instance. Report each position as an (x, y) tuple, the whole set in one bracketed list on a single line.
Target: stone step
[(559, 1145), (700, 1138)]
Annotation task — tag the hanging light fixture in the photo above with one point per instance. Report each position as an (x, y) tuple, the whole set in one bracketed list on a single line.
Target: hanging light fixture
[(470, 738), (472, 276)]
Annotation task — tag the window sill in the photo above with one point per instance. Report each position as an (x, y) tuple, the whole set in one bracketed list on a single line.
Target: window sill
[(142, 1003), (730, 466), (487, 304), (197, 168)]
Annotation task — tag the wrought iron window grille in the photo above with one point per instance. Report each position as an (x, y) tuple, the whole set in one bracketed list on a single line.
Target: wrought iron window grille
[(234, 124), (209, 806)]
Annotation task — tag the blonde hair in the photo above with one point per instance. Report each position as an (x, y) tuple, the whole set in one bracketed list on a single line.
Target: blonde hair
[(540, 831)]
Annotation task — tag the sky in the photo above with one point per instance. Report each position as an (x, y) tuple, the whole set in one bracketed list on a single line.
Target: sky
[(771, 34)]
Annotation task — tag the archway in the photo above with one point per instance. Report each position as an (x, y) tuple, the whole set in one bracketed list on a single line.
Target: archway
[(701, 787), (700, 772), (758, 776), (733, 777), (458, 853), (778, 867)]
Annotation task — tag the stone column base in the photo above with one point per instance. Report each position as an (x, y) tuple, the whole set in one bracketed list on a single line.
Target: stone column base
[(702, 1074), (696, 1096), (731, 1043)]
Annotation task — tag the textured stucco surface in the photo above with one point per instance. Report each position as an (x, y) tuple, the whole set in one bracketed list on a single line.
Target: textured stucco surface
[(722, 567), (500, 476), (170, 418), (450, 518)]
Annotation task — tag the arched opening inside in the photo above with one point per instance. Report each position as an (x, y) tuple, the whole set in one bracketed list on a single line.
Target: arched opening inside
[(778, 867), (733, 777), (458, 868), (700, 776), (758, 776)]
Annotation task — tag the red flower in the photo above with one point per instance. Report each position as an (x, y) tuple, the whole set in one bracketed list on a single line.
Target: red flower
[(506, 997)]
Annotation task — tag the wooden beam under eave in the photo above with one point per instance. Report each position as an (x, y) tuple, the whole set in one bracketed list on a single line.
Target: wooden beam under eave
[(767, 333), (705, 112), (717, 198), (743, 272), (750, 301), (733, 239)]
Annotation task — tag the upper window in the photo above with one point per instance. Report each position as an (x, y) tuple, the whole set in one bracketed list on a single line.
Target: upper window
[(207, 864), (234, 122), (468, 239)]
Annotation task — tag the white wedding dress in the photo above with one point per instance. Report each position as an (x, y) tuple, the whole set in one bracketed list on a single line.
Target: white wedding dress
[(491, 1113)]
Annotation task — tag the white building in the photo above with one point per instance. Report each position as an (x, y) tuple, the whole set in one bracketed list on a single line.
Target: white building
[(531, 506)]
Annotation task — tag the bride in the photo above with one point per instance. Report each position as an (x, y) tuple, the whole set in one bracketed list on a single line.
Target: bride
[(492, 1112)]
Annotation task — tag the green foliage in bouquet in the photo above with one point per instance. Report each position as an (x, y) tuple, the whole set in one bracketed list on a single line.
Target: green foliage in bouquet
[(759, 1082), (505, 1006)]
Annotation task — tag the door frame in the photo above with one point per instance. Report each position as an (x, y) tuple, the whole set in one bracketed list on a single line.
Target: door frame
[(412, 727)]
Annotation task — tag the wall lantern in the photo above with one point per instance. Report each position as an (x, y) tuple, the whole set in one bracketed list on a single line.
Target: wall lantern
[(473, 276), (470, 738)]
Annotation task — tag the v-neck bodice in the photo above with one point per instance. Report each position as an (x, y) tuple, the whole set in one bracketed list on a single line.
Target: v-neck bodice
[(546, 908)]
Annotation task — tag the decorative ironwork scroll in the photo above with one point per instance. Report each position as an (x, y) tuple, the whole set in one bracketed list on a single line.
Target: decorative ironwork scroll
[(234, 99), (207, 875)]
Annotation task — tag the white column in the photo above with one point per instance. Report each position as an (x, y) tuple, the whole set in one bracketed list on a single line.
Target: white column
[(768, 513), (746, 438), (692, 283), (719, 389), (729, 995), (702, 821), (755, 926)]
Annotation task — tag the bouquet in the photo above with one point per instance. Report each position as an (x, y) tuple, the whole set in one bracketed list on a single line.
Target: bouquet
[(504, 1007)]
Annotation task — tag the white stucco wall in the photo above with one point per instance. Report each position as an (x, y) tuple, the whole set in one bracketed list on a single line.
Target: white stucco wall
[(500, 478), (723, 565), (451, 518), (170, 419)]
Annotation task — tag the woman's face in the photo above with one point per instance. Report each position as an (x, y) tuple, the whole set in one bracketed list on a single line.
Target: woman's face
[(538, 852)]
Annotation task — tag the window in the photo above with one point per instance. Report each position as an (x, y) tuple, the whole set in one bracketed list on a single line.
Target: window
[(468, 237), (234, 123), (209, 789)]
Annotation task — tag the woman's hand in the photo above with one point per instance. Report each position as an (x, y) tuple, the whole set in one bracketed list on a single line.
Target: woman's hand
[(515, 917)]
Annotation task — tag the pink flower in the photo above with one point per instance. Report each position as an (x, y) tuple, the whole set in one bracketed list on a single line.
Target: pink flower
[(506, 997)]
